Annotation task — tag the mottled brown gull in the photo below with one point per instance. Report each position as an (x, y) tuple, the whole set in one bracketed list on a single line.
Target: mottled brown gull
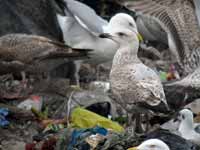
[(179, 19), (33, 54), (132, 82)]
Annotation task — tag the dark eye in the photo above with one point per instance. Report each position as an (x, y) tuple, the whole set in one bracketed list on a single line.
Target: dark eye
[(183, 116), (121, 34), (152, 146), (130, 24)]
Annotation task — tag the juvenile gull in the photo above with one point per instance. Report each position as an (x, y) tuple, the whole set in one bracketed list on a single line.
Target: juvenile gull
[(132, 82), (187, 128), (179, 19), (35, 54)]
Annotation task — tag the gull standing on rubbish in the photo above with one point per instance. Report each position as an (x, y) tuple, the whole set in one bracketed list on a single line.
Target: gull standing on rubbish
[(22, 53), (133, 83)]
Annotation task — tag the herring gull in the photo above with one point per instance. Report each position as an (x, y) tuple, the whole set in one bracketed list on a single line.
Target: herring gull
[(151, 144), (81, 27), (179, 19), (132, 83), (187, 128)]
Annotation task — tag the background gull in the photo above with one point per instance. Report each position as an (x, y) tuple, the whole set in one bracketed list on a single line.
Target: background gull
[(179, 19), (132, 82), (184, 91), (197, 9), (81, 27), (33, 54), (151, 144), (187, 128)]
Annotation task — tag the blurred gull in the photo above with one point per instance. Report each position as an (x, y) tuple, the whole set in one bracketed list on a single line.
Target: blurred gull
[(187, 128), (151, 144), (81, 27), (197, 9)]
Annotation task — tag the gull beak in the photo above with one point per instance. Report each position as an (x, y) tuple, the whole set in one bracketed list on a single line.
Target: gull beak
[(139, 36), (105, 35), (133, 148)]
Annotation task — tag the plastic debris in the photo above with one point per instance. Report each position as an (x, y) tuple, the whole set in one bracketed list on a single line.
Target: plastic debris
[(87, 138), (82, 118), (100, 85), (3, 113), (163, 76), (47, 144), (54, 127), (94, 140), (33, 102), (173, 73)]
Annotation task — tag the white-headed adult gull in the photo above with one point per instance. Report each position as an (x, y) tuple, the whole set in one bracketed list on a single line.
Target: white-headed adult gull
[(81, 27), (151, 144), (187, 128)]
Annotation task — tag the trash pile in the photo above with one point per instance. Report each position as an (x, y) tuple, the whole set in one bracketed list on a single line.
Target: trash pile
[(52, 97)]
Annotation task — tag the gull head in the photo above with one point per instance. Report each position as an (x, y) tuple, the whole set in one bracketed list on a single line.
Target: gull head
[(185, 117), (122, 20), (123, 37), (152, 144)]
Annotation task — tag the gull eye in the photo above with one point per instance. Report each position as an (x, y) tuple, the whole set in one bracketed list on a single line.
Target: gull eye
[(183, 117), (152, 146), (121, 34), (130, 24)]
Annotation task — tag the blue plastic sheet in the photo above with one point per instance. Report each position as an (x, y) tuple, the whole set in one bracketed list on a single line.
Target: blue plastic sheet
[(78, 136), (3, 114)]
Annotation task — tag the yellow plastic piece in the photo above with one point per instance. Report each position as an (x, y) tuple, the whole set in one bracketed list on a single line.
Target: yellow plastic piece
[(82, 118)]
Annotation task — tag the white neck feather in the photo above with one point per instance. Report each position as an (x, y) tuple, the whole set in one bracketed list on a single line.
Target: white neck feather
[(186, 126)]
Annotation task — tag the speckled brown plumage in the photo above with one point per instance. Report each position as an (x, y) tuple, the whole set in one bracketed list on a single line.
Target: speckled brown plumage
[(135, 86), (178, 18), (31, 53)]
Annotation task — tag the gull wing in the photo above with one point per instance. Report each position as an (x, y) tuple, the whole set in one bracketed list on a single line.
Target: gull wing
[(151, 81), (159, 10), (86, 16), (197, 9)]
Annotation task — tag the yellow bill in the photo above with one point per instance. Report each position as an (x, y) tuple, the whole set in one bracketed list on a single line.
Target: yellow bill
[(133, 148), (139, 36)]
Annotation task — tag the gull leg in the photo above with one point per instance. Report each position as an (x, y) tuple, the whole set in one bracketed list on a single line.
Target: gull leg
[(24, 80), (138, 125), (147, 122), (130, 124), (130, 118), (98, 72), (75, 73)]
